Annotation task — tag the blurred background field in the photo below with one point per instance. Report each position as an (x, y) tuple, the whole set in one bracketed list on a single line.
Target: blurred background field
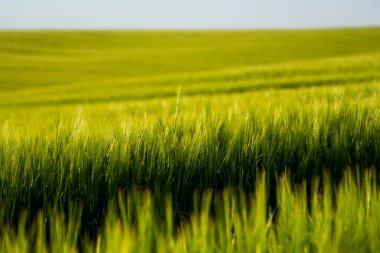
[(50, 73)]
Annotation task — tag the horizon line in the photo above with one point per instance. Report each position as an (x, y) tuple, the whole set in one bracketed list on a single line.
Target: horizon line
[(188, 29)]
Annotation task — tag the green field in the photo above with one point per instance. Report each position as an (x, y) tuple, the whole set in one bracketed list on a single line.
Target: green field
[(190, 141)]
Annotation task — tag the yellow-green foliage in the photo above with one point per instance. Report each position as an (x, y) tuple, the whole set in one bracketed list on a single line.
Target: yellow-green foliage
[(90, 117), (341, 218)]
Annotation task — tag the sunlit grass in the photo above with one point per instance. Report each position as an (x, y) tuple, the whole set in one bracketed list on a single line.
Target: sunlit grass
[(172, 142), (331, 218)]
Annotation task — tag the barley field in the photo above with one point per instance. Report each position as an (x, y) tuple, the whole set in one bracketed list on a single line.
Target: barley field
[(190, 141)]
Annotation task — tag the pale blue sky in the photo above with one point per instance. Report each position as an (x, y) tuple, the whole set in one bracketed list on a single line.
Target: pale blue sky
[(187, 14)]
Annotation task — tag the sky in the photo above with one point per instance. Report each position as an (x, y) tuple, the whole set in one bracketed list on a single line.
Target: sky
[(187, 14)]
